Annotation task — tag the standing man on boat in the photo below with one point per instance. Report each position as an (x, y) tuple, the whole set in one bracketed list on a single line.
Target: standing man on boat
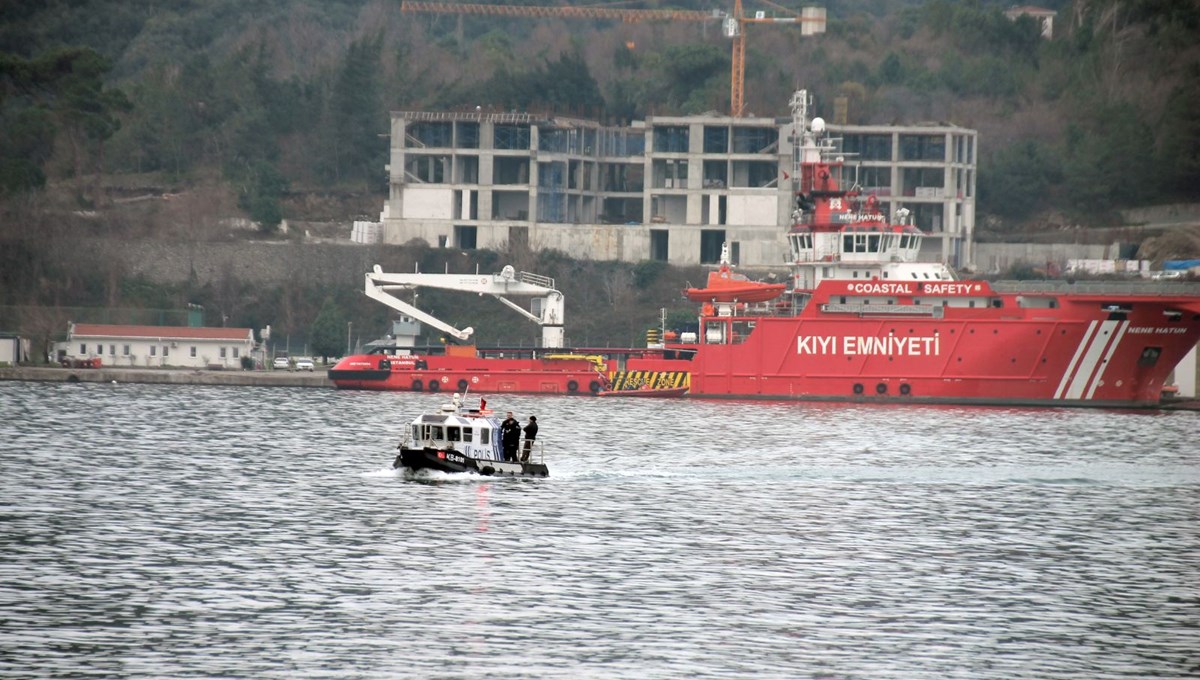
[(530, 435), (510, 437)]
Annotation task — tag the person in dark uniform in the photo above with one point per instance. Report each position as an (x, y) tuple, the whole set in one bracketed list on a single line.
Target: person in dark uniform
[(530, 436), (510, 437)]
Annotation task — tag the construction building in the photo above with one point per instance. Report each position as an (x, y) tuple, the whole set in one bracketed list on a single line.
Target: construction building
[(670, 188)]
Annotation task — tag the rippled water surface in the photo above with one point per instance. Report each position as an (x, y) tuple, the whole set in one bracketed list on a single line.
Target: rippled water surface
[(168, 531)]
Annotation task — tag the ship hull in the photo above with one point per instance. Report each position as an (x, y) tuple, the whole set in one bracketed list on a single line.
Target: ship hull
[(453, 462), (458, 374), (1078, 353), (1049, 349)]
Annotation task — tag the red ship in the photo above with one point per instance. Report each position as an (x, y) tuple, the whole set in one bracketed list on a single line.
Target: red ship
[(861, 319)]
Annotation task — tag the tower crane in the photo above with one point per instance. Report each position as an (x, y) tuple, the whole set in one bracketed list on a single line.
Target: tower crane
[(734, 24)]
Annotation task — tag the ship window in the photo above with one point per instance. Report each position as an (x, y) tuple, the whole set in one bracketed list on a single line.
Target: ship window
[(466, 434), (435, 431), (1149, 356), (873, 243), (885, 275), (416, 433), (997, 303), (848, 244), (741, 330), (453, 434), (970, 303), (485, 436)]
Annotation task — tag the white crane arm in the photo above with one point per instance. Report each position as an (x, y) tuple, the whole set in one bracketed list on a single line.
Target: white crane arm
[(380, 293), (379, 284)]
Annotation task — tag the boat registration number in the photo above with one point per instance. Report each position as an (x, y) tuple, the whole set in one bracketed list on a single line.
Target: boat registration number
[(455, 458)]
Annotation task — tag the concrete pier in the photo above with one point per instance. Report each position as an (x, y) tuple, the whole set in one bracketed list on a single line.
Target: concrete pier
[(167, 376)]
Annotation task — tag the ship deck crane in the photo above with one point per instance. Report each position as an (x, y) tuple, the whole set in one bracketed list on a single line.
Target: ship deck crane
[(379, 286), (734, 26)]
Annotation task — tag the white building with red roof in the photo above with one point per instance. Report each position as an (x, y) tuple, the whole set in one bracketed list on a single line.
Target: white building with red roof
[(158, 346)]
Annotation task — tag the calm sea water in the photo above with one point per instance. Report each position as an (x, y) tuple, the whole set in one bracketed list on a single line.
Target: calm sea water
[(167, 531)]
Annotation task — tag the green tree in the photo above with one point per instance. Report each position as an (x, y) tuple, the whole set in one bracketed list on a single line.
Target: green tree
[(326, 333), (58, 95), (1012, 181), (358, 114)]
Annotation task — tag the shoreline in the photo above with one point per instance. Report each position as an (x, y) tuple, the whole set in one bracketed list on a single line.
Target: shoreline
[(240, 378), (169, 376)]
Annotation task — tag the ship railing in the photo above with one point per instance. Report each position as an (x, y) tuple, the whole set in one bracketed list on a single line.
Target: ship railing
[(935, 311), (535, 279), (537, 454), (1099, 287)]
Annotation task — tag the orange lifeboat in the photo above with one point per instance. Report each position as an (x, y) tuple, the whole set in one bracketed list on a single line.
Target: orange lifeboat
[(726, 286)]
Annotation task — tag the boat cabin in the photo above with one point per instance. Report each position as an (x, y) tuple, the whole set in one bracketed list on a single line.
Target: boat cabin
[(472, 432)]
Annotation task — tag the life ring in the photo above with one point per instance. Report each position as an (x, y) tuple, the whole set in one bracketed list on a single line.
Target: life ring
[(434, 386), (463, 385), (858, 388), (906, 389), (572, 386), (881, 388), (417, 386), (595, 386)]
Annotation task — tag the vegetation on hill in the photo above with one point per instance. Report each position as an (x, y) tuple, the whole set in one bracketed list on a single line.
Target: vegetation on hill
[(264, 105)]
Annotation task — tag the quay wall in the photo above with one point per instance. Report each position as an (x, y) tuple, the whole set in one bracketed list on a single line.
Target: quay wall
[(163, 376), (259, 262), (343, 263)]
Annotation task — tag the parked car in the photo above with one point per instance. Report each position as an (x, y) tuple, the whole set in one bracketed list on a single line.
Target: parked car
[(281, 362), (304, 364)]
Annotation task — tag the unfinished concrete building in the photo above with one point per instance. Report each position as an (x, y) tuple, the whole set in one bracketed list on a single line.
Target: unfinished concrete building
[(671, 188)]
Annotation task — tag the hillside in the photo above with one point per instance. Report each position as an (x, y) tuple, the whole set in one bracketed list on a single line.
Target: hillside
[(293, 94), (147, 121)]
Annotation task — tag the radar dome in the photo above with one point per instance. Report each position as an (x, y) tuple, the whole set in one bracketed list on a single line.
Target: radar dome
[(818, 124)]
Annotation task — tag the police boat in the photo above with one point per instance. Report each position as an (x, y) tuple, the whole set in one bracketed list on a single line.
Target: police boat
[(456, 438)]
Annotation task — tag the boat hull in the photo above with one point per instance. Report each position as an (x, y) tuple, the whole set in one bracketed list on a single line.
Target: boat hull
[(458, 374), (646, 393), (747, 293), (1064, 345), (455, 462), (1081, 351)]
